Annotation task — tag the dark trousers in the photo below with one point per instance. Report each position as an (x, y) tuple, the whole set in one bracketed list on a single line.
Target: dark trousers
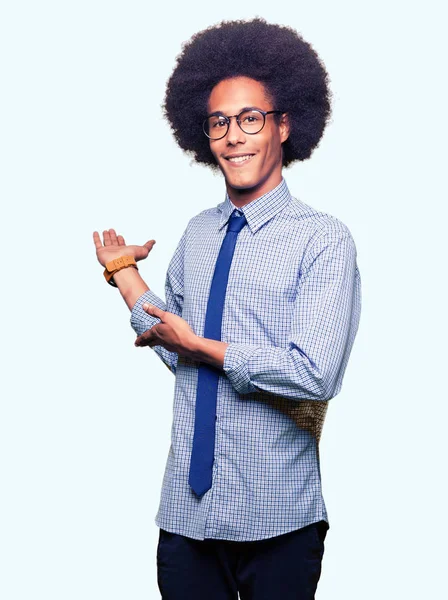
[(286, 567)]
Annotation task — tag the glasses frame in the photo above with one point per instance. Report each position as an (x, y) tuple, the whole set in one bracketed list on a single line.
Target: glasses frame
[(237, 117)]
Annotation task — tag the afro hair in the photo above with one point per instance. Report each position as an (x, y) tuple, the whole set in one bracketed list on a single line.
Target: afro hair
[(276, 56)]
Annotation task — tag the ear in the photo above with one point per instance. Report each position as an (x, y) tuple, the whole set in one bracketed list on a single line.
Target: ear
[(284, 127)]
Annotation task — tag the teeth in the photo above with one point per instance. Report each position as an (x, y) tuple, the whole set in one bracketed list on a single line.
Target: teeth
[(240, 158)]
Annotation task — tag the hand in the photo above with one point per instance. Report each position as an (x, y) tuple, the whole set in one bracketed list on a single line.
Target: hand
[(115, 246), (173, 333)]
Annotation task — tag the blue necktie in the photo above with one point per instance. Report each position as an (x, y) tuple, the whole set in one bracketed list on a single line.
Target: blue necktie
[(202, 454)]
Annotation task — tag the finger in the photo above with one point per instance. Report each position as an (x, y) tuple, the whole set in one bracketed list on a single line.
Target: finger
[(113, 237), (154, 311), (106, 238), (120, 240), (146, 344), (149, 244), (146, 339), (97, 240)]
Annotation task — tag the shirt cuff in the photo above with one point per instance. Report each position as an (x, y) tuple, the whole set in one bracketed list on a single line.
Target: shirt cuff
[(140, 320), (236, 367)]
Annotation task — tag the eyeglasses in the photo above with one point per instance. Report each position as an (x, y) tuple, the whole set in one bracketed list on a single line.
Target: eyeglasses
[(250, 121)]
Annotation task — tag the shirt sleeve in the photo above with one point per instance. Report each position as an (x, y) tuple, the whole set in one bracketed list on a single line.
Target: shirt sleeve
[(325, 319), (174, 293)]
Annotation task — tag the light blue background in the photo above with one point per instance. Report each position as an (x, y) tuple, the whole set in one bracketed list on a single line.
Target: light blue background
[(85, 417)]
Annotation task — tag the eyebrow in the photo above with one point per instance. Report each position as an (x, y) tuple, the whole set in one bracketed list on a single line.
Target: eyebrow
[(220, 113)]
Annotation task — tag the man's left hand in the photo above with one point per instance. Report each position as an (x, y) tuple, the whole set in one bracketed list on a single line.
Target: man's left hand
[(173, 333)]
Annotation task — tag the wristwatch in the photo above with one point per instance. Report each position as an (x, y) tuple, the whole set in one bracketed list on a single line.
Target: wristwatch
[(116, 265)]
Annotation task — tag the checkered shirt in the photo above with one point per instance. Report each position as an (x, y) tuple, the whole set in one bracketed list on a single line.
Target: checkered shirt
[(290, 318)]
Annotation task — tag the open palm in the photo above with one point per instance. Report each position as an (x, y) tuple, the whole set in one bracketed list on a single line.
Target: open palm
[(114, 246)]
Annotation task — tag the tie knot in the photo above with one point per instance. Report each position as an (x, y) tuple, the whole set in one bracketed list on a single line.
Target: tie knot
[(236, 222)]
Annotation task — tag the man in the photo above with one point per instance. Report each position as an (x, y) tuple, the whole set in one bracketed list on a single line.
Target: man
[(262, 308)]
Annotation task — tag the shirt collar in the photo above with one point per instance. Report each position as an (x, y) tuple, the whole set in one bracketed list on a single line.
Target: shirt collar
[(259, 211)]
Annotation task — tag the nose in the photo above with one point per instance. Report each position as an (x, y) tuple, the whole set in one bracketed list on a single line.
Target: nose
[(235, 134)]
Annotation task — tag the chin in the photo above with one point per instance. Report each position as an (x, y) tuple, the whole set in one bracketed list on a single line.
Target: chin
[(242, 183)]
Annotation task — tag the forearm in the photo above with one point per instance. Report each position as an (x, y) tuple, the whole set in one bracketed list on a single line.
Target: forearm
[(209, 351), (130, 285)]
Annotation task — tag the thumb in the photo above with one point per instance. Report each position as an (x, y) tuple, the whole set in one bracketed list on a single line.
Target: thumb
[(153, 310)]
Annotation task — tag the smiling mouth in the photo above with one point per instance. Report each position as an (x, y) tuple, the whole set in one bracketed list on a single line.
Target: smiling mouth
[(240, 159)]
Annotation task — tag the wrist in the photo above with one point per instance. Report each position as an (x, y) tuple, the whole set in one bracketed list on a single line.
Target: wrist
[(124, 276), (193, 347)]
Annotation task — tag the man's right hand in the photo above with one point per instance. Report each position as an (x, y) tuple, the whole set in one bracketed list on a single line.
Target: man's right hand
[(114, 246)]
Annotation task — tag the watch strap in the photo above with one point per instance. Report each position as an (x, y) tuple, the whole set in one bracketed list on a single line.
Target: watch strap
[(115, 265)]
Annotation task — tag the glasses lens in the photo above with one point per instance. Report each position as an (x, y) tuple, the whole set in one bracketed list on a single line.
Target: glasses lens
[(215, 127), (251, 121)]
